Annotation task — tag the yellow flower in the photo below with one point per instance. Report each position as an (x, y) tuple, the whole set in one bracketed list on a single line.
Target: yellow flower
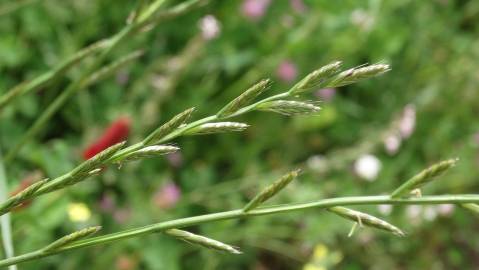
[(320, 251), (310, 266), (78, 212)]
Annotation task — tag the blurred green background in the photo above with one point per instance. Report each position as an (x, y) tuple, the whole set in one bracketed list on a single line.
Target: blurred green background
[(432, 47)]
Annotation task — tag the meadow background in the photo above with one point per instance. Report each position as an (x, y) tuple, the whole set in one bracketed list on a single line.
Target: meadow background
[(422, 111)]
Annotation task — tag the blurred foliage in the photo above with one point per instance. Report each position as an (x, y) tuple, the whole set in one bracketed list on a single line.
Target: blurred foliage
[(432, 47)]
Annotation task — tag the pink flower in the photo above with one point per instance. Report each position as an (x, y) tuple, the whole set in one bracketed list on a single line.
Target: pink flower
[(298, 5), (175, 159), (254, 9), (392, 144), (107, 203), (287, 71), (445, 209), (168, 195), (326, 94), (407, 122)]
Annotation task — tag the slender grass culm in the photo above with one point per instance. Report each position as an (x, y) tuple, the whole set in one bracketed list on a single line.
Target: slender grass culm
[(159, 142)]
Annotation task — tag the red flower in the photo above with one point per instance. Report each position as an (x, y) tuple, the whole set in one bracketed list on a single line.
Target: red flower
[(115, 133)]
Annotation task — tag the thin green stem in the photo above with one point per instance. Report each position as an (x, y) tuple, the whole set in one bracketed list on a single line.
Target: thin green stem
[(239, 213), (5, 220)]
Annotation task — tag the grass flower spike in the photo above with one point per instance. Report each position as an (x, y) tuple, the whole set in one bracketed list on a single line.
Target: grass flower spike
[(245, 98), (366, 219), (271, 190), (356, 74), (168, 127), (218, 127), (423, 178), (202, 241), (316, 78), (290, 107), (65, 240)]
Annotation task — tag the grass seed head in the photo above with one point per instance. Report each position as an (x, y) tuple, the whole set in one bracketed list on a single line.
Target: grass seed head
[(245, 98), (168, 127), (70, 238), (218, 127), (424, 177), (356, 74), (271, 190), (316, 78), (290, 107), (366, 219), (201, 240)]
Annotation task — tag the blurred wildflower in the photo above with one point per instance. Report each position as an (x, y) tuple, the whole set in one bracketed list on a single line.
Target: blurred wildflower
[(298, 6), (362, 19), (385, 209), (107, 203), (115, 133), (254, 9), (407, 122), (413, 213), (287, 71), (175, 159), (168, 195), (210, 27), (445, 210), (367, 167), (325, 94), (430, 213), (122, 215), (125, 262), (392, 144), (317, 163), (322, 258), (78, 212)]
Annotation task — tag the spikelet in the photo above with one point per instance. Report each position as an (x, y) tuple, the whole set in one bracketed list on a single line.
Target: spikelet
[(22, 196), (290, 107), (356, 74), (151, 151), (201, 240), (168, 127), (366, 219), (90, 167), (423, 177), (271, 190), (316, 78), (245, 98), (218, 127), (471, 206), (70, 238)]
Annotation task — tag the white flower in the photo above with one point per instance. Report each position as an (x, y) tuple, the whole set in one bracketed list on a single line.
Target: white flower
[(430, 213), (385, 209), (210, 27), (413, 212), (317, 163), (392, 144), (362, 19), (367, 167), (407, 122)]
